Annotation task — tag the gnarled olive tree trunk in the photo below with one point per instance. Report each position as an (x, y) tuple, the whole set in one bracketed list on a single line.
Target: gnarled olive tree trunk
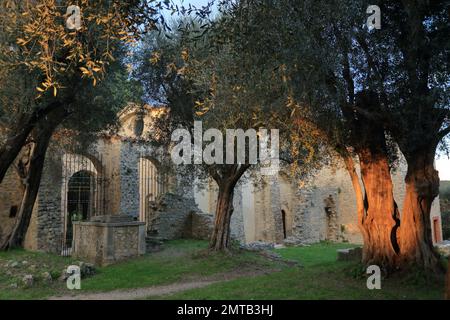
[(17, 138), (377, 211), (41, 139), (226, 177), (378, 217), (422, 187), (381, 219), (224, 210)]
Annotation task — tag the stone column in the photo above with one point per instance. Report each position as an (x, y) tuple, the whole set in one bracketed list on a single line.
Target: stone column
[(129, 180)]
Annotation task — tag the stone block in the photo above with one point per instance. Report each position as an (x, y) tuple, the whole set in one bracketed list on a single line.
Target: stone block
[(350, 254), (104, 243)]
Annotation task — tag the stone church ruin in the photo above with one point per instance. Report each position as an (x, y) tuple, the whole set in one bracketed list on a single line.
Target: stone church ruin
[(114, 200)]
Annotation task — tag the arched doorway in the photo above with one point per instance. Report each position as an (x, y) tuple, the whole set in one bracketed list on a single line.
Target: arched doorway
[(80, 200), (151, 184)]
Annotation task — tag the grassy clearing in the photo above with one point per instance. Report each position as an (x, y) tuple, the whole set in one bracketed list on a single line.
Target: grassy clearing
[(34, 263), (320, 278), (181, 260)]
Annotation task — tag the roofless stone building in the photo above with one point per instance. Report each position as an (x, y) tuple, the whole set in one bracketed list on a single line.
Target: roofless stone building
[(119, 175)]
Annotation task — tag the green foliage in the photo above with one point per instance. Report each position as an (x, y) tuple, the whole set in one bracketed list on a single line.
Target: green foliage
[(179, 259), (76, 216), (321, 276)]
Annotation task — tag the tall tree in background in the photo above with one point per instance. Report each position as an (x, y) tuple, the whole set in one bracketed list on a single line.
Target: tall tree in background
[(107, 98), (48, 72), (35, 42), (375, 87), (297, 40), (396, 80), (214, 78)]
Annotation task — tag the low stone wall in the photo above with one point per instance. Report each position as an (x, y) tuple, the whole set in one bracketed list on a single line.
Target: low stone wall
[(170, 217), (104, 243), (202, 226)]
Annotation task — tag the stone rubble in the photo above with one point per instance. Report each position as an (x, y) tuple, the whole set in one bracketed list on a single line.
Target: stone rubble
[(350, 254), (28, 280)]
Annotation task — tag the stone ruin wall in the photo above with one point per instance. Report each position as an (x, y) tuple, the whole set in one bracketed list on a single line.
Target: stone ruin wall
[(10, 197), (311, 221), (324, 209)]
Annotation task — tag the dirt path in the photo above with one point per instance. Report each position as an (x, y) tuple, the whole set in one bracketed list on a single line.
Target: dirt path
[(140, 293)]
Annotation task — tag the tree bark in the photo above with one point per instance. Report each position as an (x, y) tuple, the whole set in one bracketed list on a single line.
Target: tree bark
[(377, 211), (381, 219), (359, 194), (224, 210), (378, 216), (42, 135), (422, 187), (18, 137), (226, 181)]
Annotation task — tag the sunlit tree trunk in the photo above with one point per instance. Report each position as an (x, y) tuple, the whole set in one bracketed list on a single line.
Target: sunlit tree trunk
[(381, 219), (359, 194), (378, 216), (422, 187), (377, 211)]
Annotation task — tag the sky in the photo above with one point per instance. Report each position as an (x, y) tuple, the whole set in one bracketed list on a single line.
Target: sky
[(442, 162), (197, 3), (443, 166)]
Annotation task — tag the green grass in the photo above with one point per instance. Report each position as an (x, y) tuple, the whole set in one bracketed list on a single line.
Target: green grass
[(322, 277), (181, 260), (37, 263)]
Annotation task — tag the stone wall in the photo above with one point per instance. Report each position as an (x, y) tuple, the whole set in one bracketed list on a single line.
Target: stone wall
[(50, 218), (104, 243), (201, 226), (324, 208), (170, 217), (10, 198), (129, 179), (237, 218), (110, 152)]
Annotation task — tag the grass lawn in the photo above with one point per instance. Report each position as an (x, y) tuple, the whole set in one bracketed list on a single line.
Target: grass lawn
[(322, 277), (319, 277), (181, 260)]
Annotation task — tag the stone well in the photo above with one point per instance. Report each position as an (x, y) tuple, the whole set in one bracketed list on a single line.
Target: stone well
[(108, 239)]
